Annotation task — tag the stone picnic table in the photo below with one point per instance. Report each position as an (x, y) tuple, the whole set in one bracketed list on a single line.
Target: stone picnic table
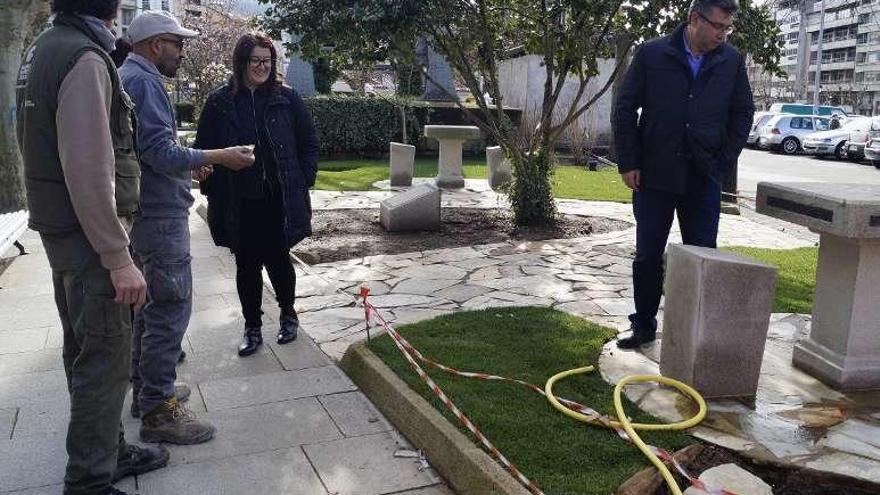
[(843, 348), (451, 138)]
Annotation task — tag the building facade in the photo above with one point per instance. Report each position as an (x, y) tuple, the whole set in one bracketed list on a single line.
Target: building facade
[(181, 9), (849, 72)]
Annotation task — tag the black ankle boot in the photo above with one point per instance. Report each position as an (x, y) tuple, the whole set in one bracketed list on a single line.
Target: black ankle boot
[(288, 330), (252, 340)]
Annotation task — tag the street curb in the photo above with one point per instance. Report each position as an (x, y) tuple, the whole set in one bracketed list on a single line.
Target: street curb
[(466, 467)]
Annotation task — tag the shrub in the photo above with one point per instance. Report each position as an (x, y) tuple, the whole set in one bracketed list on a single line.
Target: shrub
[(362, 125)]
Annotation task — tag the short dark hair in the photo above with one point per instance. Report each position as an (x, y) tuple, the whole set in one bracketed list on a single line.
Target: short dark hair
[(705, 6), (102, 9), (242, 54)]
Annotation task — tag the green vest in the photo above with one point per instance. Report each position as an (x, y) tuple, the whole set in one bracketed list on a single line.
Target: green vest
[(44, 67)]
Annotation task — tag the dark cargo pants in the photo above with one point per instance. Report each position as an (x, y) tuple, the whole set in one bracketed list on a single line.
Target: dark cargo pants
[(162, 249), (97, 339)]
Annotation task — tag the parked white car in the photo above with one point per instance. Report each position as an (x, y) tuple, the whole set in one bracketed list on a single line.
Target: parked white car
[(785, 133), (855, 147), (872, 152), (758, 122), (833, 141)]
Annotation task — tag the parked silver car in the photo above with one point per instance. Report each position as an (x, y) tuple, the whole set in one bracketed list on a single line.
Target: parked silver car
[(758, 122), (872, 152), (855, 147), (785, 133), (833, 141)]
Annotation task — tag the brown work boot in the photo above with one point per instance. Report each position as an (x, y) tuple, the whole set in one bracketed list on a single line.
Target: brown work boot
[(181, 391), (172, 423)]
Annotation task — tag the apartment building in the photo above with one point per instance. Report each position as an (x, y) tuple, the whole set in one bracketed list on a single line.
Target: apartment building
[(180, 8), (850, 65)]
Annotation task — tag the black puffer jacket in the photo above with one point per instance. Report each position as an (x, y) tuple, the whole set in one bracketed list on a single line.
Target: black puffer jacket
[(685, 122), (294, 144)]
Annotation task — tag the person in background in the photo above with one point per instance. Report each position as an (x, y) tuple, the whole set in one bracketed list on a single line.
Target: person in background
[(160, 235), (81, 175), (696, 111), (260, 213), (835, 122)]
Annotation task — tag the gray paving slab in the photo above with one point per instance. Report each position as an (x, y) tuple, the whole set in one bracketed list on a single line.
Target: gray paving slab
[(274, 387), (262, 428), (55, 339), (31, 388), (275, 472), (7, 422), (204, 366), (354, 414), (15, 341), (300, 354), (366, 466), (430, 490), (43, 490), (31, 362), (32, 462)]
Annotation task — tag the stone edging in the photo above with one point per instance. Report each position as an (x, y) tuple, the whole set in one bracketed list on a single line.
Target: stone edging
[(466, 467)]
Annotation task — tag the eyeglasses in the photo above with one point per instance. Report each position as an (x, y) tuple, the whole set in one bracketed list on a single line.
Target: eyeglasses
[(256, 62), (718, 26), (174, 41)]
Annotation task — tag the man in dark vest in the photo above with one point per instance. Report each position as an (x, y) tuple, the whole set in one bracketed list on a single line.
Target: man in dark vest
[(696, 110), (75, 133)]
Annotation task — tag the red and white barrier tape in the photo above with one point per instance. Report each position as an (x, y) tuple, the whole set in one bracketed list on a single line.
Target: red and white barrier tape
[(413, 356)]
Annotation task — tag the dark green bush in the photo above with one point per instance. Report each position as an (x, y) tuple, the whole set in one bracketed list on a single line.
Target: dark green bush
[(362, 125)]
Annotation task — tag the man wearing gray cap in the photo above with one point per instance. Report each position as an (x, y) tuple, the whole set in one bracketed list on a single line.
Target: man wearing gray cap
[(160, 236)]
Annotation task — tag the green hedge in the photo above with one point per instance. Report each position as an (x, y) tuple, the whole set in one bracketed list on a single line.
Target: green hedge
[(361, 125)]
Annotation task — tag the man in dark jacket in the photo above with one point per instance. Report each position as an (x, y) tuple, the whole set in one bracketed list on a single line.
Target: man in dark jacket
[(696, 110)]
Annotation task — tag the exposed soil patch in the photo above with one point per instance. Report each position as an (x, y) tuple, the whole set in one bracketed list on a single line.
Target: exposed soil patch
[(353, 233), (783, 481)]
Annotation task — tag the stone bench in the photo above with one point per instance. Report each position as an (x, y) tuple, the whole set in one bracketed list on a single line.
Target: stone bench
[(451, 138), (497, 168), (843, 348), (413, 210), (715, 320), (402, 158)]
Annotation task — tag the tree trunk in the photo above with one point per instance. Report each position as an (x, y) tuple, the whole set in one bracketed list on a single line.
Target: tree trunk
[(16, 17)]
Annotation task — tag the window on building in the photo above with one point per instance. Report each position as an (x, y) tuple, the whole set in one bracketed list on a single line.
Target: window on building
[(127, 16), (145, 4), (862, 38), (194, 2), (864, 18), (165, 6)]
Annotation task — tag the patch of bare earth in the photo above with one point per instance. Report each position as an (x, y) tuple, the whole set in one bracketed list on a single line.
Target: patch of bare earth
[(354, 233)]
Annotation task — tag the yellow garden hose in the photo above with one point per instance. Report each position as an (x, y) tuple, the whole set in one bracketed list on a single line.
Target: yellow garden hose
[(625, 424)]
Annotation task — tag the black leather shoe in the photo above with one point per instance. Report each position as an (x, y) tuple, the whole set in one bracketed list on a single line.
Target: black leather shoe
[(289, 328), (636, 340), (252, 340), (140, 459)]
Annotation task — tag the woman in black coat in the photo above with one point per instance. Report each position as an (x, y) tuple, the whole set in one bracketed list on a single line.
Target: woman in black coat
[(262, 211)]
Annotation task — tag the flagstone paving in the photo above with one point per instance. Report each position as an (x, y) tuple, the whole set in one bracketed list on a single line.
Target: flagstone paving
[(288, 417)]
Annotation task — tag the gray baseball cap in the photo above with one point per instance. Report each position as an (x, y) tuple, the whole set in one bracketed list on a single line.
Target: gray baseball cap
[(148, 24)]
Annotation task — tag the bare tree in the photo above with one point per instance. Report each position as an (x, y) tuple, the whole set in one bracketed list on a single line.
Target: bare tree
[(208, 62), (16, 23)]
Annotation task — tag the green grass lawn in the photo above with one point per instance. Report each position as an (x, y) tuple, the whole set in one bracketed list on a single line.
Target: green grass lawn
[(797, 276), (568, 181), (561, 455)]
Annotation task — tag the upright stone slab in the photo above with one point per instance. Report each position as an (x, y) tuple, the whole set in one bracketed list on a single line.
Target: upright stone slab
[(415, 209), (715, 320), (403, 158), (439, 83), (843, 348), (451, 138), (497, 168)]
